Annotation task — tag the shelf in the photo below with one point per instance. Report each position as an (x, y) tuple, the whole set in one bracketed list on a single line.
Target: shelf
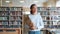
[(10, 25), (9, 28), (3, 11), (50, 15), (14, 11), (4, 20), (42, 10), (16, 15), (4, 16), (10, 15)]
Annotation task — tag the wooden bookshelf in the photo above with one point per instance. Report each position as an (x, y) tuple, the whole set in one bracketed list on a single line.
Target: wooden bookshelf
[(10, 19), (10, 30)]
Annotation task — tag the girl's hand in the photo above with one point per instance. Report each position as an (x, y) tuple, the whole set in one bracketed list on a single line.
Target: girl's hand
[(32, 28)]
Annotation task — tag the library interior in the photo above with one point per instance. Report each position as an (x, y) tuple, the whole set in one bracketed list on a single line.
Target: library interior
[(13, 13)]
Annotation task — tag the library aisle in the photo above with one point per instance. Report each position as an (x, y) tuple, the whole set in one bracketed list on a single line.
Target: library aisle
[(13, 12)]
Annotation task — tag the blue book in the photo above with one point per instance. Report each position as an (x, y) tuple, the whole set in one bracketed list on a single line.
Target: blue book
[(4, 23)]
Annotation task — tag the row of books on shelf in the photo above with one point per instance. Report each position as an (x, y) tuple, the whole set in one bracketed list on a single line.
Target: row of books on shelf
[(10, 14), (43, 13), (10, 9), (54, 8), (15, 18), (51, 17), (15, 22), (45, 19), (51, 23), (49, 13), (16, 13), (10, 26), (4, 13), (10, 23), (3, 18), (42, 9), (48, 8), (52, 26), (11, 18)]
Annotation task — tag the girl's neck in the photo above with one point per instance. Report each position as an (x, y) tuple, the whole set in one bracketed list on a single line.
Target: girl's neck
[(34, 13)]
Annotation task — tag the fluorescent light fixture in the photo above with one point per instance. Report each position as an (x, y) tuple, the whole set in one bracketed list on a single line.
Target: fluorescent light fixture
[(21, 1), (35, 1), (7, 1)]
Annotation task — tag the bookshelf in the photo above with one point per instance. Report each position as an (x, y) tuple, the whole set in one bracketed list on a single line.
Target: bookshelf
[(50, 16), (11, 17)]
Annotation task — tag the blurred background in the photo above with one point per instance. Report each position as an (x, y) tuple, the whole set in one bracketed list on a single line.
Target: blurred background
[(12, 11)]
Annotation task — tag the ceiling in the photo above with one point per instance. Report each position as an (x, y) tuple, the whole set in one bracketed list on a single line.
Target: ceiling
[(25, 3), (22, 3)]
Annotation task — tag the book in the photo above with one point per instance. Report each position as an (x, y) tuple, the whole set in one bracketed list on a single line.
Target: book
[(7, 9), (1, 18), (0, 9), (12, 9), (12, 13), (15, 23), (15, 9), (1, 23), (4, 23), (4, 18), (19, 9), (11, 18)]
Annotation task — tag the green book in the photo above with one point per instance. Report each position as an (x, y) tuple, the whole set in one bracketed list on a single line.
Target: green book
[(3, 18)]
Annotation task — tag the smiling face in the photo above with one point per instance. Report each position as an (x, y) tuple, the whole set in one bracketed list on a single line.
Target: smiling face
[(34, 9)]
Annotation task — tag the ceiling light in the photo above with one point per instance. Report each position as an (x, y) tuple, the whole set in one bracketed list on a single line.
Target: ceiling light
[(35, 1), (21, 1), (7, 1)]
